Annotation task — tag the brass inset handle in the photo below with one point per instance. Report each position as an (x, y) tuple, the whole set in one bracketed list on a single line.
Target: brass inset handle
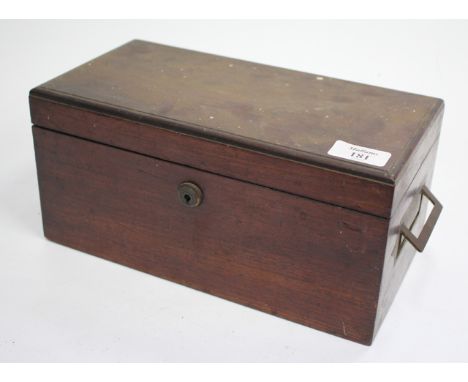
[(420, 242)]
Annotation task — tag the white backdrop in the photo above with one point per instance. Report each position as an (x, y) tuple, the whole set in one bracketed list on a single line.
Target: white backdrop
[(57, 304)]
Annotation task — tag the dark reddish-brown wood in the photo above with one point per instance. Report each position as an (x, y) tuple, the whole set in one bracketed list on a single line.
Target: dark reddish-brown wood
[(283, 227), (315, 182), (398, 259), (250, 244)]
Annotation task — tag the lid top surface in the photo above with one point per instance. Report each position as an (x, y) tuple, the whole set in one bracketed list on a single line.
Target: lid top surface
[(285, 111)]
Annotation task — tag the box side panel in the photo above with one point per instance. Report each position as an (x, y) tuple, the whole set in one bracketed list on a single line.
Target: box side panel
[(413, 164), (398, 258), (309, 262), (334, 187)]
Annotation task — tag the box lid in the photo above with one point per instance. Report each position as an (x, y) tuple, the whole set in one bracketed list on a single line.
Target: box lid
[(303, 117)]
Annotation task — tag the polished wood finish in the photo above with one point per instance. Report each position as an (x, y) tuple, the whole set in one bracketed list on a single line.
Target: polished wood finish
[(309, 262), (282, 226), (279, 111), (334, 187), (248, 107), (398, 258)]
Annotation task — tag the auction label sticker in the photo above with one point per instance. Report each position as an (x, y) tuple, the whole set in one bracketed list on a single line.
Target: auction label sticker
[(360, 154)]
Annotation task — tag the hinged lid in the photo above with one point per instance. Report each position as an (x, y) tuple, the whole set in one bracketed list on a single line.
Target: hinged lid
[(310, 119)]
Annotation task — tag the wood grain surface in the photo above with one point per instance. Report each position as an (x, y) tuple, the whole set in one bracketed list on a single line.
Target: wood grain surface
[(283, 227), (334, 187), (283, 112), (309, 262), (397, 258)]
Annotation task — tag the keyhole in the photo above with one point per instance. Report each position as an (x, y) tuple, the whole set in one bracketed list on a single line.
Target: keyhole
[(190, 194)]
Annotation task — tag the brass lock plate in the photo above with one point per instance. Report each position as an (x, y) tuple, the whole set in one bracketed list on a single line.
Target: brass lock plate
[(190, 194)]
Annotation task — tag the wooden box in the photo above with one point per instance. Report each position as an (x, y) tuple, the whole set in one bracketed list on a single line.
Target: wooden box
[(298, 195)]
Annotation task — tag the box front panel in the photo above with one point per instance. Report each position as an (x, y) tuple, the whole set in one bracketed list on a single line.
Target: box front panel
[(310, 262), (299, 178)]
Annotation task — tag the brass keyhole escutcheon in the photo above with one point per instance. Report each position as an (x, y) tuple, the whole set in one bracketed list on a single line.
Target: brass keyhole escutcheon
[(190, 194)]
